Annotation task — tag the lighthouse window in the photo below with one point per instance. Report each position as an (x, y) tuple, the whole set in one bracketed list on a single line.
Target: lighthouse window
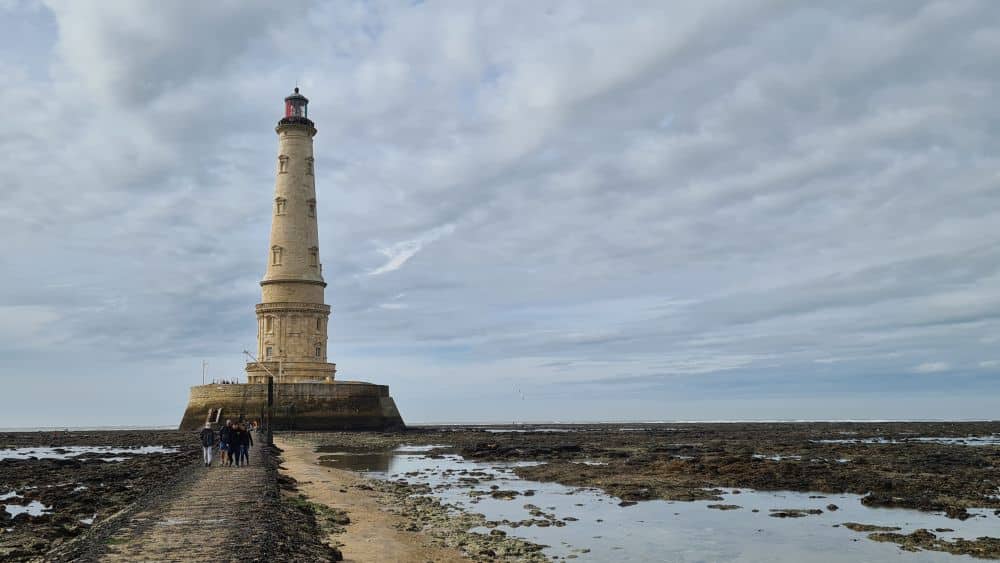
[(282, 164), (276, 255), (314, 256), (319, 352), (319, 323), (309, 166), (269, 324), (312, 207), (279, 206), (267, 352)]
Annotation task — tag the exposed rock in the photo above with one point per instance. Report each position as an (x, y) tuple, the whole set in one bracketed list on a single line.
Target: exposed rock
[(868, 527), (793, 512)]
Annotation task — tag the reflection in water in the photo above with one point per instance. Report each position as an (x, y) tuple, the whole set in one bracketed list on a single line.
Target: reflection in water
[(663, 530), (367, 462)]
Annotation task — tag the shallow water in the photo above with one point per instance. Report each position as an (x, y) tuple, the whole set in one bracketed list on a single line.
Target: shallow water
[(684, 532), (34, 508), (67, 452), (519, 430), (991, 440)]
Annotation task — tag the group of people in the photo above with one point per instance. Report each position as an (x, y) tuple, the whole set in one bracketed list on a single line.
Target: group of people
[(234, 443)]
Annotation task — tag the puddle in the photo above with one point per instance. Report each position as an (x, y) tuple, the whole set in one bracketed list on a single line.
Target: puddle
[(779, 457), (993, 440), (424, 448), (522, 430), (685, 532), (33, 508), (110, 453)]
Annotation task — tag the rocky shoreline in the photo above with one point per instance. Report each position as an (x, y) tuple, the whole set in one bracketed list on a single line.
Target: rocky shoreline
[(80, 490)]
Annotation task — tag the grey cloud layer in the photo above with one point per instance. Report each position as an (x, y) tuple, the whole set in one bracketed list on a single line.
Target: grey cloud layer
[(543, 191)]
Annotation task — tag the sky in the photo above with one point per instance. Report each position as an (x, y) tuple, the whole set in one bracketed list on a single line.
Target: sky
[(529, 210)]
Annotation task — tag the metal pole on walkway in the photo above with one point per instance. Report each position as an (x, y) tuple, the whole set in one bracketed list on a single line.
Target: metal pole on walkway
[(270, 409)]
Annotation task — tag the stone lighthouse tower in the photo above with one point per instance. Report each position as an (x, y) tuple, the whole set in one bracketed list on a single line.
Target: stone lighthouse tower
[(291, 386), (292, 316)]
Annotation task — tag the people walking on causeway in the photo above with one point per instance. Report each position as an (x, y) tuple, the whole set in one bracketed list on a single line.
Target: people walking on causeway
[(207, 443), (225, 437)]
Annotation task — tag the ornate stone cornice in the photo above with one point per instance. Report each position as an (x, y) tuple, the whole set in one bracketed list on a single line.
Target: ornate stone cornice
[(292, 280), (291, 306)]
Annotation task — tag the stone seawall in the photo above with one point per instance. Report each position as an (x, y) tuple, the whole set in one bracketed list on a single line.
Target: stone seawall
[(341, 405)]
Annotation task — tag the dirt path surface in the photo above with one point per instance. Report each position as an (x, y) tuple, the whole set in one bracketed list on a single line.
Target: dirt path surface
[(373, 534), (206, 520)]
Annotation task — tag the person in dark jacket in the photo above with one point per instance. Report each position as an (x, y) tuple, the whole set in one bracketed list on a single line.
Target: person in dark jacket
[(207, 443), (225, 437), (246, 442), (234, 446)]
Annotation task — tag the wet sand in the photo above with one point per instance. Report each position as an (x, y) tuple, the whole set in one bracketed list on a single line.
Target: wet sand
[(374, 533)]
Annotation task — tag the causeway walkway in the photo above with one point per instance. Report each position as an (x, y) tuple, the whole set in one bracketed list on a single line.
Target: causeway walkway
[(211, 517)]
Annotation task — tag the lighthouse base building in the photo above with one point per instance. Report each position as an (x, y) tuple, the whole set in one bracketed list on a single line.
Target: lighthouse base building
[(339, 405), (290, 382)]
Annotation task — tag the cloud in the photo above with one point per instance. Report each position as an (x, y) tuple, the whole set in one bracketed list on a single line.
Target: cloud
[(400, 252), (931, 367), (989, 364), (762, 196)]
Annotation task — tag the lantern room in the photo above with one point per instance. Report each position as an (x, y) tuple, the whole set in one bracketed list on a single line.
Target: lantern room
[(296, 105)]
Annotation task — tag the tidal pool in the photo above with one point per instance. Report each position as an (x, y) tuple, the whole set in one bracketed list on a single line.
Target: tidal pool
[(991, 440), (33, 508), (593, 527)]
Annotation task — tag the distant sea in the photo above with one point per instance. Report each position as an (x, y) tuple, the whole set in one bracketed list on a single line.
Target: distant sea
[(719, 421), (536, 423)]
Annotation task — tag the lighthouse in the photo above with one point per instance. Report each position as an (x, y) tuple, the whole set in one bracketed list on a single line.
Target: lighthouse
[(290, 379), (292, 315)]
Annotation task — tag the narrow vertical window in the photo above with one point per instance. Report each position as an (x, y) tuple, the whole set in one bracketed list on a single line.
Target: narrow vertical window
[(312, 207), (319, 352), (309, 166), (283, 164), (276, 255), (314, 256), (280, 204), (269, 324), (319, 323), (267, 352)]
